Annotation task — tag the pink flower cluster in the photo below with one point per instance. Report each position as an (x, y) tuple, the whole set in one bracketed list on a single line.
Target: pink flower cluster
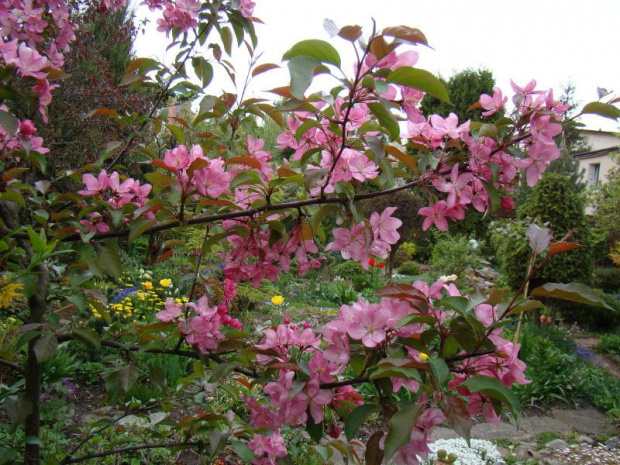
[(183, 15), (281, 348), (116, 193), (267, 448), (203, 328), (464, 183), (254, 258), (375, 237), (195, 173)]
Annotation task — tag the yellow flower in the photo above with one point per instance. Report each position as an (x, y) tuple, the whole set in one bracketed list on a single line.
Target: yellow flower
[(424, 357), (8, 291), (165, 282), (277, 300), (147, 285)]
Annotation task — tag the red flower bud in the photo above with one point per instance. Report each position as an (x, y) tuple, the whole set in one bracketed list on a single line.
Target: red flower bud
[(371, 262), (381, 265), (334, 431), (286, 320), (506, 203)]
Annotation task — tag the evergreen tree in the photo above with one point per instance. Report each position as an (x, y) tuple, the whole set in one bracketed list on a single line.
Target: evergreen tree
[(464, 88), (95, 65)]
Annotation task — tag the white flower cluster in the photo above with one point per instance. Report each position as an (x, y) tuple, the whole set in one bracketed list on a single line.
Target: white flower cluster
[(481, 452)]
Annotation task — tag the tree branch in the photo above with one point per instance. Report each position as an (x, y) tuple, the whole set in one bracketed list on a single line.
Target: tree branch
[(12, 366)]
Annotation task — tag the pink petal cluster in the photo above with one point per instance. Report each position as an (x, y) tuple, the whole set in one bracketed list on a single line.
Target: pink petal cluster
[(116, 192), (364, 239)]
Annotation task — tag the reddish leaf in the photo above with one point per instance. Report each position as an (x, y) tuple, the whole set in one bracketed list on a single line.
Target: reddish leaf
[(407, 34), (245, 160), (102, 112), (282, 92), (374, 453), (162, 257), (562, 246), (286, 172), (350, 33), (457, 416), (262, 68), (404, 158), (401, 291), (161, 164)]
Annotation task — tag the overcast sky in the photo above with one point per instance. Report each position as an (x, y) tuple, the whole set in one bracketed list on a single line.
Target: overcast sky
[(552, 41)]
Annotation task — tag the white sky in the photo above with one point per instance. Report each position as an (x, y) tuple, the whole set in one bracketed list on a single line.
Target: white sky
[(552, 41)]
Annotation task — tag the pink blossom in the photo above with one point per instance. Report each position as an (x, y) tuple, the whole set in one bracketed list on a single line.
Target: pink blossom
[(273, 446), (246, 8), (436, 215), (171, 312), (384, 225), (316, 398), (30, 62), (493, 104)]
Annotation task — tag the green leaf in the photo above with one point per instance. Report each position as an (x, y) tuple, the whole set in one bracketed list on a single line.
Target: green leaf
[(356, 418), (9, 122), (573, 292), (137, 228), (416, 319), (318, 49), (440, 370), (401, 426), (89, 336), (314, 430), (177, 132), (495, 389), (243, 451), (386, 118), (127, 377), (525, 307), (419, 79), (459, 304), (109, 260), (602, 109), (301, 69), (45, 347), (393, 371)]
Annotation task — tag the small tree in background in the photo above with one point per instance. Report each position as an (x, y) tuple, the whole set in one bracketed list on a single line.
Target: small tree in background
[(95, 66), (554, 203), (465, 88)]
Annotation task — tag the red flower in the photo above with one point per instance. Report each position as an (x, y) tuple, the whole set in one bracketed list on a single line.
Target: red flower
[(381, 265), (371, 262)]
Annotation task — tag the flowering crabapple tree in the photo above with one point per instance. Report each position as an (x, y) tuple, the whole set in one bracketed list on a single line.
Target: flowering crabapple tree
[(426, 352)]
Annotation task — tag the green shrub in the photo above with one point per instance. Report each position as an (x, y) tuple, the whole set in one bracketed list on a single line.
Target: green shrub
[(607, 279), (554, 201), (248, 298), (401, 256), (609, 344), (353, 271), (453, 254), (409, 268)]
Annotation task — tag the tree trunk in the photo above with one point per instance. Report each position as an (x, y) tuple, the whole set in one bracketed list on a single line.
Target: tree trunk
[(37, 304)]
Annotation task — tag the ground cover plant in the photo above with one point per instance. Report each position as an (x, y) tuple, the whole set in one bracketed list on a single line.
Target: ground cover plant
[(186, 368)]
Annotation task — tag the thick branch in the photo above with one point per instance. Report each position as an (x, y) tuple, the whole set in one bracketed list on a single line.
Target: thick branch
[(12, 366), (250, 212)]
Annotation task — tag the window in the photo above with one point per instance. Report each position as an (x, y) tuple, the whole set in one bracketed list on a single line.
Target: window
[(594, 170)]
